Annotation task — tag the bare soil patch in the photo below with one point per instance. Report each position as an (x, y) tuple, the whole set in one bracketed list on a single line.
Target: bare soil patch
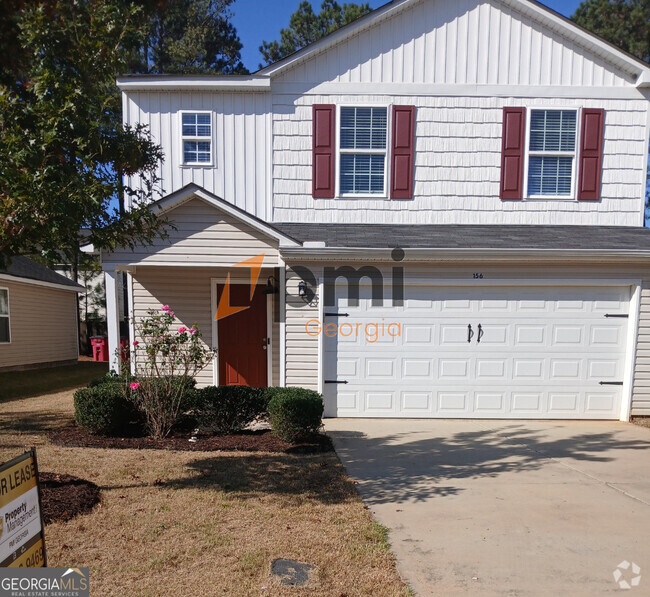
[(64, 496), (248, 441)]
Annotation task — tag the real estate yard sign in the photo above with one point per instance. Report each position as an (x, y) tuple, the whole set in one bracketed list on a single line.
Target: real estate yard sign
[(22, 543)]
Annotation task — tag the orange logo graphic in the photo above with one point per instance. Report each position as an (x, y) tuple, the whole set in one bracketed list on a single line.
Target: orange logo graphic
[(224, 308)]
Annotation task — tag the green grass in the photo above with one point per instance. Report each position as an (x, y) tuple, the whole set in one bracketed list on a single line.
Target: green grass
[(21, 384)]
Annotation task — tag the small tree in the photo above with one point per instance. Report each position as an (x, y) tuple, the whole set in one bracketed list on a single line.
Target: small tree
[(165, 361)]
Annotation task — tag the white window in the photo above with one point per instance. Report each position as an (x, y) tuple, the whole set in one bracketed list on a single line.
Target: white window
[(196, 135), (362, 150), (551, 153), (5, 335)]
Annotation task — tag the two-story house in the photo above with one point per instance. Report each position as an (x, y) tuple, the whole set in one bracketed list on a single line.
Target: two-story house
[(436, 211)]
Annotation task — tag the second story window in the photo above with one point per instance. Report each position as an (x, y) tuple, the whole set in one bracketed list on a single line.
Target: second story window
[(551, 152), (196, 137), (362, 151), (5, 335)]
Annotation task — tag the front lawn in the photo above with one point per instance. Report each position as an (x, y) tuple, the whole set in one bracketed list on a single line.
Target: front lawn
[(205, 523), (20, 384)]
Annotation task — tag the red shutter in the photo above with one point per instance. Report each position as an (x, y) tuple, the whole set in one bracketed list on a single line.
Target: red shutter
[(323, 150), (512, 153), (401, 157), (591, 154)]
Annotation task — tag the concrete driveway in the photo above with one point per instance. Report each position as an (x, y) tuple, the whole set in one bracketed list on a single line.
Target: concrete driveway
[(506, 508)]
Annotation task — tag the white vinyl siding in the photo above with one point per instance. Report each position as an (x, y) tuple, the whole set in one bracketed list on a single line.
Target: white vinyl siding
[(551, 152), (43, 326), (5, 327), (641, 393), (202, 235), (362, 150)]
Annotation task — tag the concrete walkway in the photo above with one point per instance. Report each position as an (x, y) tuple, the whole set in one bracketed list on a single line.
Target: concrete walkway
[(506, 508)]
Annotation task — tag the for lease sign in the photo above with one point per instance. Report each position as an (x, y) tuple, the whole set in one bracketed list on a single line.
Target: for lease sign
[(21, 527)]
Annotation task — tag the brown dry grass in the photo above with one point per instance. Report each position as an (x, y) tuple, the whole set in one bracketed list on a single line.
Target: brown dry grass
[(204, 523)]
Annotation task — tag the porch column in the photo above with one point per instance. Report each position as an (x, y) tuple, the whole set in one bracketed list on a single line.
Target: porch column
[(112, 319)]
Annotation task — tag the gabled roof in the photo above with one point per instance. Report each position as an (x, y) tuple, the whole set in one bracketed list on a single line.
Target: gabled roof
[(534, 9), (27, 269), (193, 190)]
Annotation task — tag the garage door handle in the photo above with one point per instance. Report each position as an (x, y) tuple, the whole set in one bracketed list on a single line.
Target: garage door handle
[(470, 333), (611, 383), (335, 381), (480, 333)]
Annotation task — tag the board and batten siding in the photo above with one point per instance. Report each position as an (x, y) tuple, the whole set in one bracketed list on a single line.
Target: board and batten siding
[(241, 137), (43, 324), (201, 235), (188, 292), (457, 165), (465, 42), (641, 392)]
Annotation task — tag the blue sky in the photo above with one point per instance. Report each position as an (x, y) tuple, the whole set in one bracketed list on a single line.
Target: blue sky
[(258, 20)]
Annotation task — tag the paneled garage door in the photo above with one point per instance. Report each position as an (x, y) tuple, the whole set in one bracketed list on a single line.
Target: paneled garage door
[(490, 352)]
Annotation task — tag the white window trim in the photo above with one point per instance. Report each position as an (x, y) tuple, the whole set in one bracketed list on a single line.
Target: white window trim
[(573, 154), (182, 138), (385, 152), (8, 315)]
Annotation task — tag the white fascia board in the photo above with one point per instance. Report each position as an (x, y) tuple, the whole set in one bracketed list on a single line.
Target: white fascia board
[(182, 196), (205, 83), (476, 254), (20, 280)]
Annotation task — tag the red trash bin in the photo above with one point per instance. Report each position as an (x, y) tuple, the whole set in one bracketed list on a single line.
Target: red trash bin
[(100, 348)]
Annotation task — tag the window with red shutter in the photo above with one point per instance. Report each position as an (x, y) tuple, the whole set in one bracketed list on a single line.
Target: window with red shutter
[(402, 150), (323, 135)]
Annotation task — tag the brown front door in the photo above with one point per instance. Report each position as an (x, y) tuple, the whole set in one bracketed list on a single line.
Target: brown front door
[(242, 339)]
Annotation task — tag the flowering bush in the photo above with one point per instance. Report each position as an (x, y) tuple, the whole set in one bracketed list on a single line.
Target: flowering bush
[(165, 362)]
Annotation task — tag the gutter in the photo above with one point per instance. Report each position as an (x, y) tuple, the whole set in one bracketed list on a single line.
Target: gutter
[(200, 83)]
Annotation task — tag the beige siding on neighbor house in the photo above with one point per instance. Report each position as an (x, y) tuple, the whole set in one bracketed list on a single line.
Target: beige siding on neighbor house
[(203, 235), (43, 324), (188, 292)]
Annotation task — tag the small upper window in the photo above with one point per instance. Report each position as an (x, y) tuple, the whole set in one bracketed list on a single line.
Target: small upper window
[(362, 145), (551, 152), (197, 137), (4, 316)]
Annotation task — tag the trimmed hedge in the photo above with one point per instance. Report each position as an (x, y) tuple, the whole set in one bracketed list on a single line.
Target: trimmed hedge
[(104, 409), (295, 412), (228, 409)]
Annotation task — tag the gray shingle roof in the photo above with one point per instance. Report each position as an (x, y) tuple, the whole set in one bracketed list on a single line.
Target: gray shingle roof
[(452, 236), (23, 267)]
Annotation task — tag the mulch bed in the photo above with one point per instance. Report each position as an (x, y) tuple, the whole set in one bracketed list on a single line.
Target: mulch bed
[(246, 441), (63, 496)]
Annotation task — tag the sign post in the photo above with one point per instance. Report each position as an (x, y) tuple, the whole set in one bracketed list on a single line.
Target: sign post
[(22, 542)]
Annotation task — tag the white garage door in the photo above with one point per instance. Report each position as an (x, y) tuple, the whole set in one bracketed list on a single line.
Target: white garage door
[(490, 352)]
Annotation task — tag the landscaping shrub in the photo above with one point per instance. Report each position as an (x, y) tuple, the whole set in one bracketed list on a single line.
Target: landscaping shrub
[(110, 378), (228, 409), (295, 412), (105, 410)]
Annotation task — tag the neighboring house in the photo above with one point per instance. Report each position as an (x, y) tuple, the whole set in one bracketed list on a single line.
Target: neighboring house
[(480, 165), (38, 317)]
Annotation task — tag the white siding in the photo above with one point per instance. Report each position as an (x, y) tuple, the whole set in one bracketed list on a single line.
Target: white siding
[(241, 139), (641, 395), (460, 42), (43, 324), (202, 235), (457, 165)]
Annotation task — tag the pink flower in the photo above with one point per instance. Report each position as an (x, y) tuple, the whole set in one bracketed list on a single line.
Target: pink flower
[(192, 331), (182, 329), (134, 385), (135, 343), (165, 308), (170, 313)]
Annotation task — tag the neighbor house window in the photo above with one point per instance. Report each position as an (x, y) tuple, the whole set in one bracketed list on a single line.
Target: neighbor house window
[(197, 137), (4, 316), (551, 152), (362, 151)]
